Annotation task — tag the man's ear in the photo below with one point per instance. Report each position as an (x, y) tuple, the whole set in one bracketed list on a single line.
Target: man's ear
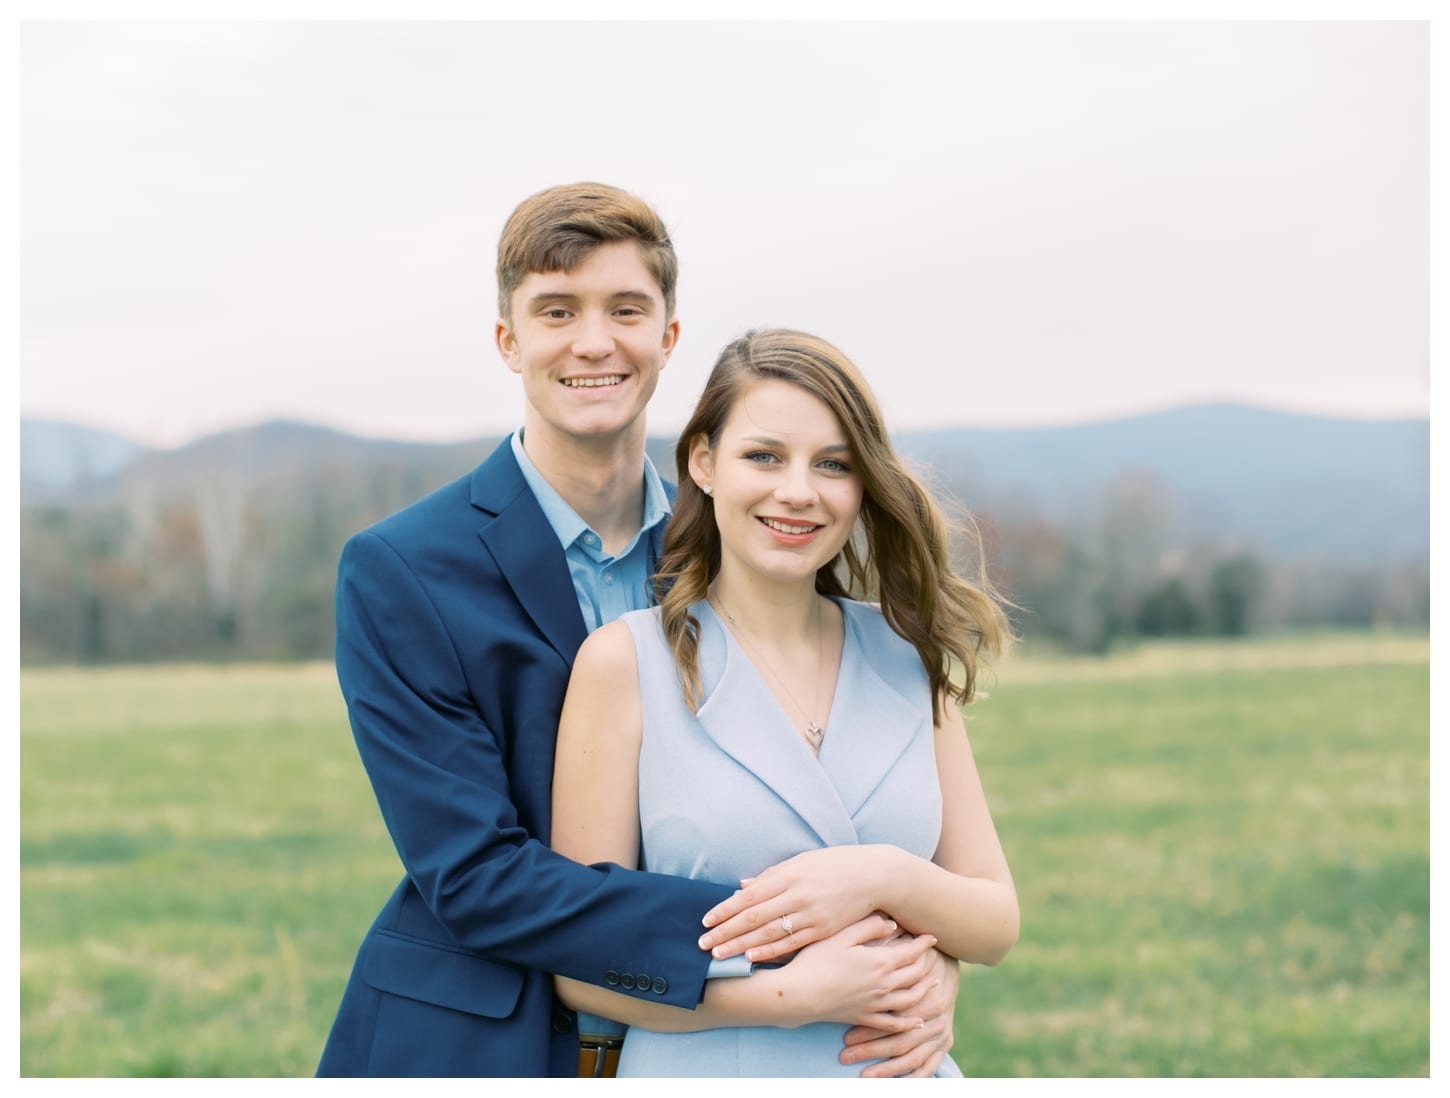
[(667, 345), (508, 346), (702, 462)]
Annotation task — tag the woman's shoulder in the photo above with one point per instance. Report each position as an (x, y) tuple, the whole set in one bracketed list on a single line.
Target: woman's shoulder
[(608, 650), (633, 639), (891, 653), (866, 618)]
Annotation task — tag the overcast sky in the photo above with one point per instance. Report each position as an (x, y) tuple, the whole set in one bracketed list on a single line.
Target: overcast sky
[(1004, 224)]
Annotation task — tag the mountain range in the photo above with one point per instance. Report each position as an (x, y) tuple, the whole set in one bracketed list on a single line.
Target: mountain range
[(1294, 485)]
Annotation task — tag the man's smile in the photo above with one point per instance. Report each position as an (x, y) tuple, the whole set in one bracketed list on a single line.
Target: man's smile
[(592, 382)]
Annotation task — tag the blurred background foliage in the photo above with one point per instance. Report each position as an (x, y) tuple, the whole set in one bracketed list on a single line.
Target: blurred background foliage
[(1210, 521)]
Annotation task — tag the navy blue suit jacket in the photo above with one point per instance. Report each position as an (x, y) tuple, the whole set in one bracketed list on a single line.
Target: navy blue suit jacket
[(457, 625)]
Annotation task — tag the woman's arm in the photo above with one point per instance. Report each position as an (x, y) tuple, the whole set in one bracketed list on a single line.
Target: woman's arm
[(852, 977), (966, 890), (596, 756), (857, 976), (964, 895)]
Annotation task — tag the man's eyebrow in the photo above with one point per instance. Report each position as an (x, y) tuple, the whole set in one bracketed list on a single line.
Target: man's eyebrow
[(547, 297)]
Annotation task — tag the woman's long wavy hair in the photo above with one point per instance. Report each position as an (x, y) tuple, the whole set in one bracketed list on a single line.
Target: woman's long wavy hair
[(898, 555)]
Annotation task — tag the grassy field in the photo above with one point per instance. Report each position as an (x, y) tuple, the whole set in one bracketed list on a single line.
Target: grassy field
[(1222, 853)]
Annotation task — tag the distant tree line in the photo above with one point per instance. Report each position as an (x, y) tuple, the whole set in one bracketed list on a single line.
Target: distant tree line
[(1134, 570), (244, 570)]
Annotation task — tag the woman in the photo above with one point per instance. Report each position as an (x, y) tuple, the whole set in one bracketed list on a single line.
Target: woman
[(759, 717)]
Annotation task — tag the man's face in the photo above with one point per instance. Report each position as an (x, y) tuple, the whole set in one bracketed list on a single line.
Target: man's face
[(589, 344)]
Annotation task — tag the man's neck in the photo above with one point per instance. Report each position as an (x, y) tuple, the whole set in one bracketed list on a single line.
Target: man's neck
[(601, 478)]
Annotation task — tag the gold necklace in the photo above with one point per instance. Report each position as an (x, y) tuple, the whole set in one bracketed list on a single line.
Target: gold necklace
[(814, 731)]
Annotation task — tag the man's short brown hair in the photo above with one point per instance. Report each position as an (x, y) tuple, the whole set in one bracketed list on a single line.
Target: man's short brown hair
[(557, 228)]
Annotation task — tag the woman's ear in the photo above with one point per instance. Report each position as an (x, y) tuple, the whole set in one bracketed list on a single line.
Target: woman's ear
[(702, 463)]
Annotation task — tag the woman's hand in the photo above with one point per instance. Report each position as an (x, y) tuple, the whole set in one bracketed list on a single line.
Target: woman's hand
[(799, 901), (868, 974), (913, 1053)]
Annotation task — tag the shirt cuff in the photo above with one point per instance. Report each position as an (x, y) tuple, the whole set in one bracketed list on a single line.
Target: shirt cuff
[(595, 1026), (739, 965)]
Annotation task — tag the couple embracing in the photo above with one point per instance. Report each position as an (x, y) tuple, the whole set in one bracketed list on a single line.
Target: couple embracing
[(645, 757)]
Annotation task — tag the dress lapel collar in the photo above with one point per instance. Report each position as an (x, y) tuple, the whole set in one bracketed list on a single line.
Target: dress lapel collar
[(870, 726), (872, 722), (743, 718)]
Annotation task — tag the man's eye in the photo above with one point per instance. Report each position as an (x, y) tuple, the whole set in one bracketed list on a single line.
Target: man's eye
[(557, 314)]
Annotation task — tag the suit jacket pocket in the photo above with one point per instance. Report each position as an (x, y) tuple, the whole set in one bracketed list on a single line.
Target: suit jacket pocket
[(442, 976)]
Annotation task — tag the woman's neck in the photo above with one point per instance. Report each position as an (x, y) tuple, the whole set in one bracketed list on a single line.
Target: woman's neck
[(784, 613)]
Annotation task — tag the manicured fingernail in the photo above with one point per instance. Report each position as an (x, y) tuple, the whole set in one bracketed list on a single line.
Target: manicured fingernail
[(705, 942), (751, 954), (718, 953)]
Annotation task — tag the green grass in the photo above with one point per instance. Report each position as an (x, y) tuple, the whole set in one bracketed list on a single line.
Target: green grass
[(1222, 854), (200, 854), (1222, 861)]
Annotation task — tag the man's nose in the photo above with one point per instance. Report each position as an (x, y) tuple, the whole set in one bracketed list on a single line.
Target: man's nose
[(592, 337)]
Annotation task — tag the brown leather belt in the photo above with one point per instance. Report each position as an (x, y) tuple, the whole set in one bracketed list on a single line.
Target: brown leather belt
[(599, 1056)]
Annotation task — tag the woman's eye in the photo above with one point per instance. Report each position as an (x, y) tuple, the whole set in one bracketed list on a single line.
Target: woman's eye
[(831, 465), (761, 457)]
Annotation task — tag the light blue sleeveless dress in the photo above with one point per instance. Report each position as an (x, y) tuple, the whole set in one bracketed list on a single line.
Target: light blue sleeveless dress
[(730, 791)]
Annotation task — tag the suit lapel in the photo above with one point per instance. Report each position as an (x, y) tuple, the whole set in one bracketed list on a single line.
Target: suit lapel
[(527, 551)]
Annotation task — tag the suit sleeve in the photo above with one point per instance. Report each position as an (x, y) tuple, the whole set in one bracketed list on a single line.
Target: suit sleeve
[(442, 784)]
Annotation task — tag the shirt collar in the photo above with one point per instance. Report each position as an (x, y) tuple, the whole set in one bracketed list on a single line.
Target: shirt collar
[(566, 523)]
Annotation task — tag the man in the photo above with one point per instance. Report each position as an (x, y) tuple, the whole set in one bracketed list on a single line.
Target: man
[(457, 622)]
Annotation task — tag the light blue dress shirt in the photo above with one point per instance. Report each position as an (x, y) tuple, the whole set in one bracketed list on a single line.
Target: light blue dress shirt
[(608, 587)]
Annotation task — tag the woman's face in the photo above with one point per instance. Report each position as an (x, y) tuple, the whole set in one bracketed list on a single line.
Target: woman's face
[(784, 483)]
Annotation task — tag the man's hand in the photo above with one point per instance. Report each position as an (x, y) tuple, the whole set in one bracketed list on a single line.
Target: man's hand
[(869, 974), (915, 1052)]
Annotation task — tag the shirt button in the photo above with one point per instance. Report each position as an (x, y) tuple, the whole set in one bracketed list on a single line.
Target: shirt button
[(563, 1023), (608, 577), (590, 539)]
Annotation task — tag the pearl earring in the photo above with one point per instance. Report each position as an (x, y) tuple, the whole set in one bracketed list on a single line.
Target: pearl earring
[(706, 489)]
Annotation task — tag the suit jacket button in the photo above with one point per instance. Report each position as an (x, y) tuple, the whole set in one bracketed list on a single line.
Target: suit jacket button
[(611, 978), (563, 1021), (660, 986), (642, 982), (626, 981)]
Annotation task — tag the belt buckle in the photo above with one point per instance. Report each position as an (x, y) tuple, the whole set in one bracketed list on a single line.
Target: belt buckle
[(601, 1047)]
